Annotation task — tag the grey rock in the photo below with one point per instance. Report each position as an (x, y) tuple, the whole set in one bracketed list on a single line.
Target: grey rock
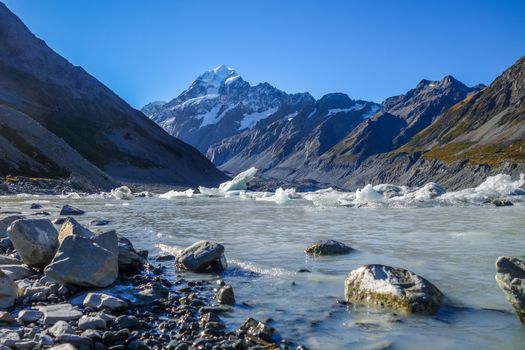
[(6, 318), (60, 328), (396, 288), (502, 203), (70, 210), (59, 221), (45, 340), (35, 240), (9, 338), (165, 257), (59, 312), (328, 247), (100, 301), (99, 222), (136, 344), (8, 291), (63, 347), (9, 260), (83, 262), (92, 334), (6, 222), (75, 340), (201, 257), (125, 321), (72, 227), (30, 316), (6, 243), (225, 296), (17, 272), (25, 344), (510, 276), (128, 259), (91, 322)]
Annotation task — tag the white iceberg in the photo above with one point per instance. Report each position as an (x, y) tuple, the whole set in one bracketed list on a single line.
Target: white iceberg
[(280, 196), (239, 182), (122, 192), (368, 195), (177, 194)]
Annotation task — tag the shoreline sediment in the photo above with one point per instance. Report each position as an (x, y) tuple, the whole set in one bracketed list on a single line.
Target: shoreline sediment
[(182, 313)]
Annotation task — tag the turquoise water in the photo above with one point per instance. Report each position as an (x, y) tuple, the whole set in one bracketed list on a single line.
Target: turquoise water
[(454, 247)]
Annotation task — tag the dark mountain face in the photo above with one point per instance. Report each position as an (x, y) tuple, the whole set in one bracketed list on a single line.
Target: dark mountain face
[(486, 128), (402, 117), (73, 105)]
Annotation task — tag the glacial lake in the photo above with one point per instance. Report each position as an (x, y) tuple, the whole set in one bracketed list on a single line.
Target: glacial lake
[(453, 246)]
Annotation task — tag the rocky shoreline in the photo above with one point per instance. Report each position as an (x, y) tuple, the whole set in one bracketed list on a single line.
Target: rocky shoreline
[(96, 291)]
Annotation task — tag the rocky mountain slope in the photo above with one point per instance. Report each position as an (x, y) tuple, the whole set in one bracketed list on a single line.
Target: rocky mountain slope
[(482, 135), (100, 126), (238, 125)]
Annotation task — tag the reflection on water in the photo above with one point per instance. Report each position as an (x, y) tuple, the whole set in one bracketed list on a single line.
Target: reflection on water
[(454, 247)]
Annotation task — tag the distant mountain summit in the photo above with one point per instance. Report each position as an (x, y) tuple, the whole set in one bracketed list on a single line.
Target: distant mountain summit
[(218, 104), (41, 87), (238, 125)]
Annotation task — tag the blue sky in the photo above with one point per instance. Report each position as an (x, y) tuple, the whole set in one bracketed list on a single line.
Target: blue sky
[(152, 50)]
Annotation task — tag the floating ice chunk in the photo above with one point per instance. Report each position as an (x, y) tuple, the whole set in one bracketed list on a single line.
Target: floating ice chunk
[(430, 191), (239, 182), (494, 187), (177, 194), (281, 196), (71, 195), (210, 192), (122, 192), (329, 198), (389, 191), (368, 195)]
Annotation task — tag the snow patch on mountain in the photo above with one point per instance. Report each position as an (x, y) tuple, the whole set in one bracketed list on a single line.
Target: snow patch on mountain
[(249, 120)]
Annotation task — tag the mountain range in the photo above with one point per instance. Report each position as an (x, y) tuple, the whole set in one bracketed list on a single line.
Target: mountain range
[(57, 120), (439, 130)]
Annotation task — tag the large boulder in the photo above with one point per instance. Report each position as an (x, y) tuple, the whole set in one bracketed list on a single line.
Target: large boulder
[(86, 263), (510, 276), (35, 240), (390, 287), (72, 227), (6, 222), (328, 247), (202, 256), (8, 291)]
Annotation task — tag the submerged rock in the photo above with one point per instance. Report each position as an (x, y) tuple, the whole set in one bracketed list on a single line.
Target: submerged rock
[(202, 256), (70, 210), (502, 203), (396, 288), (225, 296), (35, 240), (328, 247), (510, 276), (86, 263)]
